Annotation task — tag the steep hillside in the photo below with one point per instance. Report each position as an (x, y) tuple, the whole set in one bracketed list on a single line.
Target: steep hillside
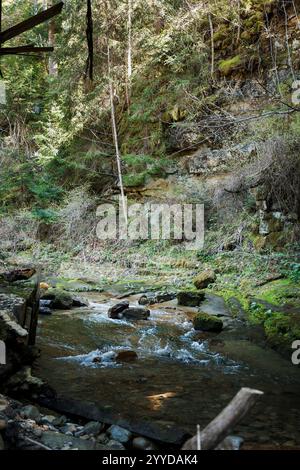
[(207, 113)]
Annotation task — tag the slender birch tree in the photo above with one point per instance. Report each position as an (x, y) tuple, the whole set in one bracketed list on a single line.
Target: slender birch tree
[(113, 116)]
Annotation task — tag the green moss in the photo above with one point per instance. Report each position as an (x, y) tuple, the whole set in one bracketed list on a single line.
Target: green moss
[(280, 292), (132, 180), (282, 330), (241, 297), (255, 22), (227, 66), (203, 321)]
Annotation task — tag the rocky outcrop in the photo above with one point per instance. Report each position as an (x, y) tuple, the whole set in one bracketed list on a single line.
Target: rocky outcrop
[(272, 222), (18, 322), (207, 160)]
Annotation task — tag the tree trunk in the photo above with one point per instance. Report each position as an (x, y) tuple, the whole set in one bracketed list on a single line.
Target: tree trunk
[(113, 118), (211, 27), (90, 43), (129, 54)]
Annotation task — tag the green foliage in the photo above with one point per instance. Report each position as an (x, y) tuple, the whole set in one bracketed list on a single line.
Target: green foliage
[(132, 180), (294, 272), (139, 168), (45, 215)]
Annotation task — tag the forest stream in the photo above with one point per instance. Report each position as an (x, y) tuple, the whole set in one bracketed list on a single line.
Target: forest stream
[(181, 377)]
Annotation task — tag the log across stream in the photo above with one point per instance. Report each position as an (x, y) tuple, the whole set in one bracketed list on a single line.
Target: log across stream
[(179, 379)]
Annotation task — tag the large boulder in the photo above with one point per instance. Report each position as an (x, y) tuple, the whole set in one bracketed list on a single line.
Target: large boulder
[(30, 412), (203, 321), (204, 279), (136, 313), (63, 300), (116, 311), (190, 298)]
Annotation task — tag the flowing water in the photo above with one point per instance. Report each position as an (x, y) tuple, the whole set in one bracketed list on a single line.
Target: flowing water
[(180, 378)]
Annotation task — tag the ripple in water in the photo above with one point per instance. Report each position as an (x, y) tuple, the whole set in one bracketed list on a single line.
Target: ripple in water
[(166, 335)]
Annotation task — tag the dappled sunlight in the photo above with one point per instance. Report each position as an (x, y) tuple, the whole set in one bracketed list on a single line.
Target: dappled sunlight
[(158, 401)]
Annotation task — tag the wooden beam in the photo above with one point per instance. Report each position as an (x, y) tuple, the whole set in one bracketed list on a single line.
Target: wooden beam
[(24, 49), (31, 22)]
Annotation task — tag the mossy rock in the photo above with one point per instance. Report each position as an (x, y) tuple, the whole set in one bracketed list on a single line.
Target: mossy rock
[(204, 279), (60, 299), (259, 243), (63, 300), (228, 66), (190, 298), (203, 321), (281, 330)]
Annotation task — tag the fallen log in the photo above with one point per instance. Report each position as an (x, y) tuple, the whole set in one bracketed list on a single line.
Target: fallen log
[(217, 430)]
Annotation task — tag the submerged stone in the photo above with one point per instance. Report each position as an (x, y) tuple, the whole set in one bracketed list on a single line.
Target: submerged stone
[(136, 313), (126, 356)]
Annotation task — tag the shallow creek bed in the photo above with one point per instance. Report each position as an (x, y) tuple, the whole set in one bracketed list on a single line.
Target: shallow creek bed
[(179, 377)]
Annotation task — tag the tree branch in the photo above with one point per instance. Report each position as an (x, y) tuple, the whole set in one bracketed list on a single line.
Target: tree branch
[(216, 430), (31, 22)]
